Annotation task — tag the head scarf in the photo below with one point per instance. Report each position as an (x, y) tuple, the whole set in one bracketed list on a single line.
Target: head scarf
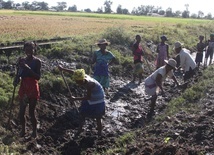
[(79, 74)]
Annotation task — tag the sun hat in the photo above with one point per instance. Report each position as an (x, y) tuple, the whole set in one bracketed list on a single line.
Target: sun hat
[(79, 74), (171, 62), (164, 37), (102, 41), (177, 44)]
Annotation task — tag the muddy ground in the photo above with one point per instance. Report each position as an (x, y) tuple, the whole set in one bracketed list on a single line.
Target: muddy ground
[(184, 133)]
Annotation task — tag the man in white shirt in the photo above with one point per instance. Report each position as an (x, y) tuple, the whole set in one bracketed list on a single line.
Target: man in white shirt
[(153, 83), (186, 61)]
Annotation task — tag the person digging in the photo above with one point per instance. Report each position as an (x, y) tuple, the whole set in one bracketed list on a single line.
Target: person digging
[(93, 104), (153, 83)]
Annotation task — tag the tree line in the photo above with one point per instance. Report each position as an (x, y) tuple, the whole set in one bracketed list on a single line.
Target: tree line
[(146, 10)]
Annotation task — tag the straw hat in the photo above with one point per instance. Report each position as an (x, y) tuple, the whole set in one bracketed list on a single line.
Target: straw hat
[(102, 41), (171, 62), (178, 44)]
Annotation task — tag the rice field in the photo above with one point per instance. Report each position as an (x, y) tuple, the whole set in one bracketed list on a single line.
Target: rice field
[(20, 25)]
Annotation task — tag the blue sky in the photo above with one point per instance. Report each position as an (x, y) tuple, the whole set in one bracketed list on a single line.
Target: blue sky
[(194, 6)]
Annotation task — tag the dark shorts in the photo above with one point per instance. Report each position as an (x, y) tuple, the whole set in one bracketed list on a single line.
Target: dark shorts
[(92, 111), (189, 74), (199, 57), (209, 53)]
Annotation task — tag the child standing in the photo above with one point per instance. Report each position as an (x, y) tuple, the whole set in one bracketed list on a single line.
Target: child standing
[(163, 52), (210, 50), (138, 53), (200, 48)]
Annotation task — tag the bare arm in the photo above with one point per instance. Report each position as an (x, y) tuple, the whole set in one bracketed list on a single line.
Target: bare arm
[(65, 69), (94, 57), (158, 81), (167, 51), (89, 88), (37, 75), (111, 61), (157, 50), (182, 62)]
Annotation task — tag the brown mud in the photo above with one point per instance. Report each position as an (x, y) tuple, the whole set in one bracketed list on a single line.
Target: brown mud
[(183, 133)]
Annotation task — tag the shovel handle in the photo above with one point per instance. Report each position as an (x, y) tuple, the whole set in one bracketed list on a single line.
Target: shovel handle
[(61, 72), (11, 105)]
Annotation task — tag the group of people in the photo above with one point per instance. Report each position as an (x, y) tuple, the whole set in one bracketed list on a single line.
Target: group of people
[(93, 104), (206, 47), (166, 65)]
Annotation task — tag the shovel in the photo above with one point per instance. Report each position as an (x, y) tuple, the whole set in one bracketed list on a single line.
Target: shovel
[(67, 87), (11, 105)]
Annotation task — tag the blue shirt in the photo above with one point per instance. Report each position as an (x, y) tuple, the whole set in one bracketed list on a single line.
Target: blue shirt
[(97, 92), (102, 60)]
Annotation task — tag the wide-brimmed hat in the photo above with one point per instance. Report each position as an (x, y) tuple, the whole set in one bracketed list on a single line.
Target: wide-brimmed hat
[(102, 41), (163, 37), (178, 44), (171, 62)]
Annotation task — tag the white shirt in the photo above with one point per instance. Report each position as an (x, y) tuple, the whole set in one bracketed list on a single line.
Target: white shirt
[(186, 60), (162, 72), (150, 81)]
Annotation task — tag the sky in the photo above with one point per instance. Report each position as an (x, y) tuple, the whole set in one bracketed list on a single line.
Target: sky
[(194, 6)]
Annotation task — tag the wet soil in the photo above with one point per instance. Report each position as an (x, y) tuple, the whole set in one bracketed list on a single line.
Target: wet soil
[(182, 133)]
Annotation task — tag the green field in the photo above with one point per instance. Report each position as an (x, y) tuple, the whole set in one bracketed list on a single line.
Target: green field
[(31, 25), (107, 16)]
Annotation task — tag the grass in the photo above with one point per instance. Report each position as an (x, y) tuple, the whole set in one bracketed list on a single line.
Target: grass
[(121, 144), (192, 95), (6, 89)]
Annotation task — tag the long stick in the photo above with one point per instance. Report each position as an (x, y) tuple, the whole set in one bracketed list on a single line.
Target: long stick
[(150, 51), (148, 65), (68, 88), (11, 105)]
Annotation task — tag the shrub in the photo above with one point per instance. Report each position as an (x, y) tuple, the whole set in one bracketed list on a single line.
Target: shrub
[(117, 35), (3, 101), (51, 83)]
